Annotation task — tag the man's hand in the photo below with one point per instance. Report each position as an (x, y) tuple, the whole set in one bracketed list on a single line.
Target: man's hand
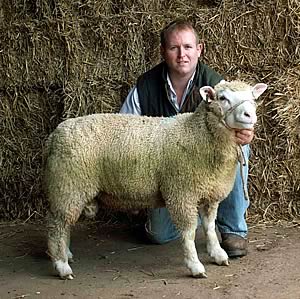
[(244, 136)]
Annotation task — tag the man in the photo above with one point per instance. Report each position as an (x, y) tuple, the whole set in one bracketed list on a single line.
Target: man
[(172, 87)]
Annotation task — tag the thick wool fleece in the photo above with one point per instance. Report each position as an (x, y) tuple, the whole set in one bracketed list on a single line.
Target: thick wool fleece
[(181, 162)]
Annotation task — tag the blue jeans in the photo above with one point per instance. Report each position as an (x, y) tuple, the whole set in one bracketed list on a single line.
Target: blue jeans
[(230, 219)]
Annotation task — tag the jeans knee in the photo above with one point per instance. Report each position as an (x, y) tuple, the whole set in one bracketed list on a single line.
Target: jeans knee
[(161, 238), (158, 240)]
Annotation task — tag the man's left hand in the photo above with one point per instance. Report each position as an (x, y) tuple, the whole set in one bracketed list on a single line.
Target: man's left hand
[(244, 136)]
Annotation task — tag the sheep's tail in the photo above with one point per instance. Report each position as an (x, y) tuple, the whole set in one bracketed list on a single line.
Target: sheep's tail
[(242, 161), (46, 150), (45, 155)]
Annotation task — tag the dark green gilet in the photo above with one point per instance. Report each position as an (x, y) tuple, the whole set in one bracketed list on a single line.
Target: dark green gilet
[(153, 95)]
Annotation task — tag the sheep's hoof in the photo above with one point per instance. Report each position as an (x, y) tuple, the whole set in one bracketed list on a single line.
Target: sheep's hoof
[(200, 275), (222, 263), (68, 277), (64, 270), (225, 263)]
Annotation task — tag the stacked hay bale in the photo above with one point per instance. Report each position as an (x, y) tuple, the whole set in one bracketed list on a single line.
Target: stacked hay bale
[(62, 59), (275, 177)]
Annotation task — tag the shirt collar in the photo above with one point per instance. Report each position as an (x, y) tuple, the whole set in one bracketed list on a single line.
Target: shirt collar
[(189, 83), (172, 93)]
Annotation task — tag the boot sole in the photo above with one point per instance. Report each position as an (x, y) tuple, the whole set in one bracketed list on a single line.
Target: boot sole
[(236, 253)]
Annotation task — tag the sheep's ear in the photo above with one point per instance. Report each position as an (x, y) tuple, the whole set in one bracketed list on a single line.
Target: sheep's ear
[(207, 93), (259, 89)]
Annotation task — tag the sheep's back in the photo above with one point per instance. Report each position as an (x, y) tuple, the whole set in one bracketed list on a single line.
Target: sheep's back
[(111, 153)]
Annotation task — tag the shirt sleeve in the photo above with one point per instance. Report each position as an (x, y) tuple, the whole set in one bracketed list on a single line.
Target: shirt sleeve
[(132, 103)]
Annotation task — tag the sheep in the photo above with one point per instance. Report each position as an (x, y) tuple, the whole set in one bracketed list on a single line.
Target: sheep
[(186, 163)]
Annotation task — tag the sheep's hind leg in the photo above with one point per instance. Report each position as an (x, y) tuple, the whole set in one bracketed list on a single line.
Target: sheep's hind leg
[(58, 239), (68, 251), (208, 217), (91, 209)]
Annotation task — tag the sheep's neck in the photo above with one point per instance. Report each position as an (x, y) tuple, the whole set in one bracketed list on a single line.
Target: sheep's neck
[(215, 133)]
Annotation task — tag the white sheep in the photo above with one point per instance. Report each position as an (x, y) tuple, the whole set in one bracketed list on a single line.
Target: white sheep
[(186, 163)]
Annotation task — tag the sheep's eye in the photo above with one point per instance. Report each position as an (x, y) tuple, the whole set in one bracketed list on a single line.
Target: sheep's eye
[(222, 98)]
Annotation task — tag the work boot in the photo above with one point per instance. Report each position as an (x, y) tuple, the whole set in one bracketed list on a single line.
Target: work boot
[(234, 245)]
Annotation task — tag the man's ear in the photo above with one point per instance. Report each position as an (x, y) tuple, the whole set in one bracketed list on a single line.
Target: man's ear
[(201, 49), (162, 52), (207, 93)]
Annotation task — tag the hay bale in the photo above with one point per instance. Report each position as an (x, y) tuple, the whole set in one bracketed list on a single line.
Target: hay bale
[(275, 182), (61, 59), (27, 117)]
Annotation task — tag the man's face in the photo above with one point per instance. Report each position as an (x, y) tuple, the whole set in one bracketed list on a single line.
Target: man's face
[(181, 52)]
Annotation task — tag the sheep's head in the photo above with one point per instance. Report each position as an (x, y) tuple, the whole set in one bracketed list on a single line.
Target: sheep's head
[(236, 100)]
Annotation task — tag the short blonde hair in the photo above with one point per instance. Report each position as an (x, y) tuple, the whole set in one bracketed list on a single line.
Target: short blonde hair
[(177, 25)]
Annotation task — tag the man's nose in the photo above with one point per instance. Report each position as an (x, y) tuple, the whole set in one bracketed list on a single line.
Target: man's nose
[(181, 51)]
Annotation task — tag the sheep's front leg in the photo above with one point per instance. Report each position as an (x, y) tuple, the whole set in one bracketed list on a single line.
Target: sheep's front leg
[(185, 216), (208, 217), (58, 241), (190, 253)]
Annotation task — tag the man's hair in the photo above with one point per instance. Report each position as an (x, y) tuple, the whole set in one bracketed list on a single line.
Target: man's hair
[(177, 25)]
